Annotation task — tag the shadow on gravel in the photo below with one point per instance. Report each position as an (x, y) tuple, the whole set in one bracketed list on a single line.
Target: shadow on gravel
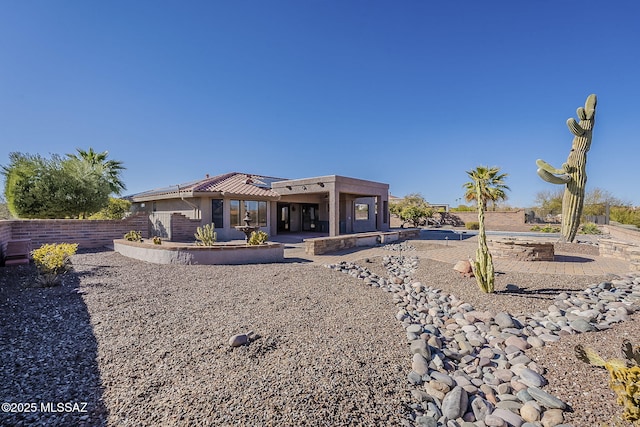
[(537, 293), (49, 373)]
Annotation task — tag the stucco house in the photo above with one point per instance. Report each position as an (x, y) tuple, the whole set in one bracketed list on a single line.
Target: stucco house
[(329, 205)]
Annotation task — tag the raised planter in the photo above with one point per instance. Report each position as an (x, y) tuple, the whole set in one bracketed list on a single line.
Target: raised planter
[(183, 253), (521, 250)]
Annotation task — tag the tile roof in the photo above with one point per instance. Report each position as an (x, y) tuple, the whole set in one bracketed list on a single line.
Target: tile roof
[(233, 183)]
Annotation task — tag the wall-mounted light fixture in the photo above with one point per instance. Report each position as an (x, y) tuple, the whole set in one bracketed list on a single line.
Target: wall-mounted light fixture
[(288, 187), (321, 184)]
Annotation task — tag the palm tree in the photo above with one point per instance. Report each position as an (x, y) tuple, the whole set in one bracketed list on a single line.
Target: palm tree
[(492, 185), (109, 169), (486, 184)]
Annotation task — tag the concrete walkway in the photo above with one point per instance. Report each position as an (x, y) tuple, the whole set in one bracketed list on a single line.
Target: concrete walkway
[(447, 247)]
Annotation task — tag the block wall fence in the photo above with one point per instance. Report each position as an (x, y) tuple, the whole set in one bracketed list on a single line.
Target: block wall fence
[(86, 233), (493, 220)]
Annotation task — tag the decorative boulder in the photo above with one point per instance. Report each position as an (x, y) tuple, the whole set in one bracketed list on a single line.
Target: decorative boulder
[(464, 268)]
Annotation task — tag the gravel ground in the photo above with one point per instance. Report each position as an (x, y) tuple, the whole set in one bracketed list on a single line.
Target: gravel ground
[(328, 349), (146, 344)]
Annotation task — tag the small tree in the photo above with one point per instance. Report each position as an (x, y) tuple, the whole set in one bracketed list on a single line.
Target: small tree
[(413, 208), (36, 187)]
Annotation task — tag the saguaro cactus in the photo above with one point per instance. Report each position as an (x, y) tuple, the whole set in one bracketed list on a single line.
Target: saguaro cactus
[(573, 172)]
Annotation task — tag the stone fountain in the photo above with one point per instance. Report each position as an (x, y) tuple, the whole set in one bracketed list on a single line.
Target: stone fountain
[(247, 229)]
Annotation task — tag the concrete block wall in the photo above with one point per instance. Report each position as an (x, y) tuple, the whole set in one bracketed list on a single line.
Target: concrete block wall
[(497, 220), (494, 220), (86, 233)]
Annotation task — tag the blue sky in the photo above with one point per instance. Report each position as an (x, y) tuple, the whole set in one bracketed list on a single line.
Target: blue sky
[(411, 93)]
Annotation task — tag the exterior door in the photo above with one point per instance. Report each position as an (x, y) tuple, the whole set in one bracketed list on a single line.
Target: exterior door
[(284, 218), (309, 217)]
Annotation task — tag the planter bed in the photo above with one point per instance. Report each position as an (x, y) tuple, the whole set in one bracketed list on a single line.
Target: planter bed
[(184, 253)]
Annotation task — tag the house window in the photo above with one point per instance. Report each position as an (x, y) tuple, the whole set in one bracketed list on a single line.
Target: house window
[(362, 212), (217, 213), (257, 210)]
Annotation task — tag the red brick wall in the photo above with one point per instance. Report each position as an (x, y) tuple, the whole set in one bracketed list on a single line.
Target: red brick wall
[(183, 228), (5, 236), (86, 233)]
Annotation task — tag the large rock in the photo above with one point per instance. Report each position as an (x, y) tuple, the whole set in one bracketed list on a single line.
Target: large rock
[(420, 364), (238, 340), (545, 399), (454, 404), (464, 268)]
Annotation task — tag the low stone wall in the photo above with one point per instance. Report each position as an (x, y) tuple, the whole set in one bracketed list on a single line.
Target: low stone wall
[(220, 253), (5, 236), (628, 251), (521, 250), (323, 245)]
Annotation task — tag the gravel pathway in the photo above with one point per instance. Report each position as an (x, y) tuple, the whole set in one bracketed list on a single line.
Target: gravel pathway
[(145, 344)]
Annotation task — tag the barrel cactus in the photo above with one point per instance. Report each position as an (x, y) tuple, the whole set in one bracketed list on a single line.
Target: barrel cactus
[(573, 173)]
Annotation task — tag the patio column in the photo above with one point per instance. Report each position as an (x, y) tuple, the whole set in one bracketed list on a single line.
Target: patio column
[(382, 221), (334, 212)]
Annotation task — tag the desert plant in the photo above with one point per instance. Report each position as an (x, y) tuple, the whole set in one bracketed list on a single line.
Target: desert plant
[(258, 238), (52, 261), (546, 229), (486, 184), (206, 235), (472, 225), (573, 174), (624, 376), (157, 240), (590, 228), (133, 236)]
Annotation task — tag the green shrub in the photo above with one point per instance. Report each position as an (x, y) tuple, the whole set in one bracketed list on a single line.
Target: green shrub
[(546, 229), (258, 237), (133, 236), (157, 240), (205, 235), (590, 228), (472, 225), (52, 261)]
